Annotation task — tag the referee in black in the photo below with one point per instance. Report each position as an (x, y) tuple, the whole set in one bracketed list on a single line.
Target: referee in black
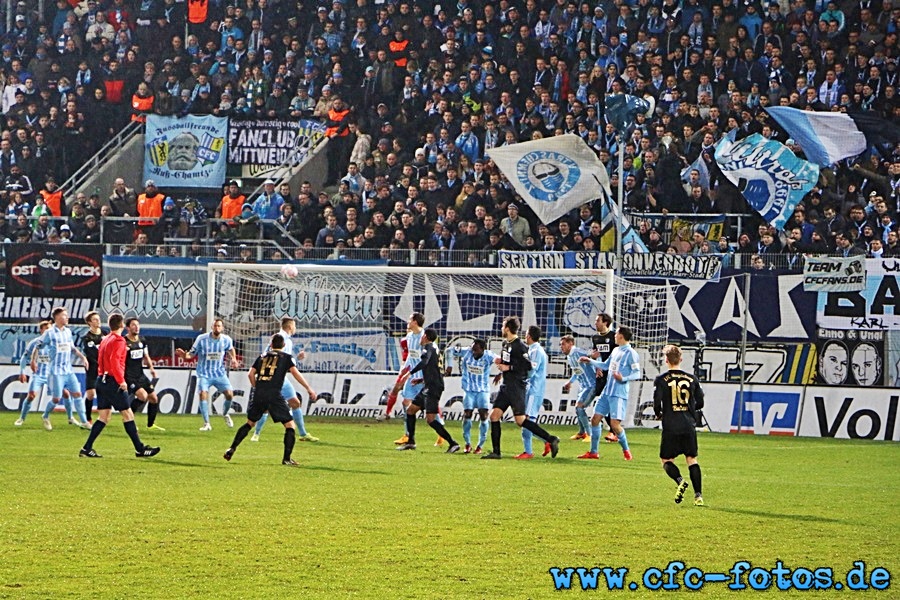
[(514, 365), (266, 378), (676, 398), (112, 391), (430, 396)]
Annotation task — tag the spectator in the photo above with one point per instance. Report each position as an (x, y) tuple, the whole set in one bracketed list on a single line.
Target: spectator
[(232, 203), (149, 208), (514, 226), (123, 199)]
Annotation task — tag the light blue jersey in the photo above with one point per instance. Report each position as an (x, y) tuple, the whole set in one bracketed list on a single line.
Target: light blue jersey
[(584, 373), (58, 343), (537, 380), (211, 353), (625, 361), (476, 372), (43, 359), (414, 349)]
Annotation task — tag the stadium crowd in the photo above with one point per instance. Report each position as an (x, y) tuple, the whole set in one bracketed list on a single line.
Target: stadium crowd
[(413, 95)]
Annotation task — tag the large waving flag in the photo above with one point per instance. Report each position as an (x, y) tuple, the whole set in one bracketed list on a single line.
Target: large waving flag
[(826, 137), (622, 109), (554, 175), (702, 169), (771, 177), (611, 222)]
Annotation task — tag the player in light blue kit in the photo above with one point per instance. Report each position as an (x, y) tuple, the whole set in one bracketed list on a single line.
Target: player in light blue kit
[(586, 376), (624, 366), (60, 345), (288, 327), (475, 368), (211, 349), (39, 373), (535, 388)]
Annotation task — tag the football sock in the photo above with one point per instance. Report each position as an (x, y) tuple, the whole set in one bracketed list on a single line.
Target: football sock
[(495, 437), (442, 431), (261, 422), (67, 404), (391, 401), (297, 414), (584, 424), (482, 432), (696, 482), (411, 428), (526, 441), (88, 407), (536, 430), (290, 438), (672, 471), (137, 406), (467, 431), (131, 430), (152, 411), (79, 408), (96, 428), (226, 406), (204, 410), (26, 406), (241, 433), (623, 441), (48, 409), (596, 432)]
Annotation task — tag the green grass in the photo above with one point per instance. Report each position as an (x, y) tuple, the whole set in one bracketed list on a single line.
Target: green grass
[(359, 520)]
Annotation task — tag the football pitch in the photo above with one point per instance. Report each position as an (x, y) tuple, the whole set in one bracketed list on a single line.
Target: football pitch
[(358, 519)]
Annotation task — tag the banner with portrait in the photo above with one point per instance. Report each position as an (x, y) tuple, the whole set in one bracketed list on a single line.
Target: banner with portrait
[(852, 357), (260, 147), (190, 152)]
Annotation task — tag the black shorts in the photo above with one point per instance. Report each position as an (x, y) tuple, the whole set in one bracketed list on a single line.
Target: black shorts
[(511, 397), (430, 401), (90, 380), (141, 383), (673, 444), (110, 396), (275, 405)]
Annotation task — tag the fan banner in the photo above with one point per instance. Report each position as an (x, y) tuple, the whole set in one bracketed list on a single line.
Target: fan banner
[(63, 271), (876, 307), (553, 175), (769, 176), (834, 274), (705, 267), (852, 357), (261, 146), (189, 152), (509, 259)]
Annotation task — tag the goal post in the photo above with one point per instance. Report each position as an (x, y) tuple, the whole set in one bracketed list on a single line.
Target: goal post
[(351, 318)]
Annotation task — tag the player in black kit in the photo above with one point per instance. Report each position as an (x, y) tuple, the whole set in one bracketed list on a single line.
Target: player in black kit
[(267, 378), (602, 344), (514, 365), (138, 384), (676, 398), (90, 346), (430, 396)]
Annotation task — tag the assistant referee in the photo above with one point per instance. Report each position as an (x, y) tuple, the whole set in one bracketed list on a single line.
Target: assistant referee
[(112, 391)]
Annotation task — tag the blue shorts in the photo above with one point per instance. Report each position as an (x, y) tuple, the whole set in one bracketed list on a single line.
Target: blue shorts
[(533, 404), (36, 383), (586, 396), (58, 383), (221, 383), (288, 391), (476, 400), (612, 406), (411, 390)]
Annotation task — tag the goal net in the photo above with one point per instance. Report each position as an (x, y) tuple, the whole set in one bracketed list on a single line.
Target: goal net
[(351, 319)]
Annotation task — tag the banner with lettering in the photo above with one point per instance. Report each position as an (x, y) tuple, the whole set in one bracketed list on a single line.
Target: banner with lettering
[(186, 152), (852, 357), (876, 307), (168, 295), (260, 147), (53, 271), (706, 267), (834, 274), (508, 259)]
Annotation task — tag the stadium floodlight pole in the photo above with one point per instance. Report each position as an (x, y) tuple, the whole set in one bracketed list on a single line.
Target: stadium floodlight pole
[(744, 347)]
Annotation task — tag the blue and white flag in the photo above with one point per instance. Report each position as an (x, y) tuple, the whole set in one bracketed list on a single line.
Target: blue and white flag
[(825, 137), (622, 109), (610, 221), (553, 175), (190, 152), (771, 177), (701, 167)]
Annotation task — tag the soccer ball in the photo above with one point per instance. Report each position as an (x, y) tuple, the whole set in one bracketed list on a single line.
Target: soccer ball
[(289, 271)]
